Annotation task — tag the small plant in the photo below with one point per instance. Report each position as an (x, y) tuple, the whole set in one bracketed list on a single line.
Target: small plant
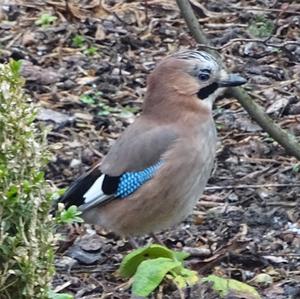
[(91, 51), (68, 216), (45, 20), (148, 266), (78, 41), (93, 100), (87, 99), (104, 109), (261, 27)]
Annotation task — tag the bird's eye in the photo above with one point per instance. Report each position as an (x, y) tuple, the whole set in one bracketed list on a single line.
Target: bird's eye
[(204, 74), (203, 77)]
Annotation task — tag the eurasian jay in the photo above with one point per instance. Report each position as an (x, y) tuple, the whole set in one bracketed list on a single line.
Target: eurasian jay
[(154, 174)]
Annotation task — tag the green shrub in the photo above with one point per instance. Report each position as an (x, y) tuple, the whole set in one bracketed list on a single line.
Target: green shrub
[(26, 254)]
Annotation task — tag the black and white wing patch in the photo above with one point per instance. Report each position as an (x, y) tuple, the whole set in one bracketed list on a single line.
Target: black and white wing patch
[(96, 188)]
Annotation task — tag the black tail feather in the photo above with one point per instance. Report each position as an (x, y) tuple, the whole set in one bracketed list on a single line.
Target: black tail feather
[(74, 194)]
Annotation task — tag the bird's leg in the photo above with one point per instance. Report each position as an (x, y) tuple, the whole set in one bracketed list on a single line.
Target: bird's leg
[(157, 239), (133, 243)]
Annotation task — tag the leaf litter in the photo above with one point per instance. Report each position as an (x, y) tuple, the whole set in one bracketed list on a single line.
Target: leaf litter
[(89, 90)]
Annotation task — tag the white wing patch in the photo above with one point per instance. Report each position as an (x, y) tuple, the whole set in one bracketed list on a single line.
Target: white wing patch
[(94, 195), (95, 190)]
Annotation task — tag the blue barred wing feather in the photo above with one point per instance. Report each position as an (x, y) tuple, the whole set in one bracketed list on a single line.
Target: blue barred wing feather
[(96, 188)]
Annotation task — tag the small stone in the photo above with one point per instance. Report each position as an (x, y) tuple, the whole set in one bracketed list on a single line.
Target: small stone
[(82, 256), (28, 38), (262, 280), (65, 263), (91, 244), (87, 156), (68, 84), (199, 252), (115, 71), (75, 163)]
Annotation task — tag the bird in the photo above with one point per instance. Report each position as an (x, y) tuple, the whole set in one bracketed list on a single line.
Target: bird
[(154, 174)]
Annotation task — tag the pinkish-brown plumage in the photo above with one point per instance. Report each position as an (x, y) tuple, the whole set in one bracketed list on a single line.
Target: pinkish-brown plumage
[(175, 127)]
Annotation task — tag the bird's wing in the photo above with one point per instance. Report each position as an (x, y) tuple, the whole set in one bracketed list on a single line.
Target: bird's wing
[(140, 146), (134, 157)]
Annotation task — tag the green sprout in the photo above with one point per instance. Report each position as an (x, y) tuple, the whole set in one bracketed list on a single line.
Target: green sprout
[(91, 51), (87, 99), (104, 109), (68, 216), (45, 20), (78, 41)]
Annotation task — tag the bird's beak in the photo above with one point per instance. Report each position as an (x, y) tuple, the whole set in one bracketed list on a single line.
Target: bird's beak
[(232, 80)]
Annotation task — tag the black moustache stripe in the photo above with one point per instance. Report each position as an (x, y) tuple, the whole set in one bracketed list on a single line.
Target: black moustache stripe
[(205, 92)]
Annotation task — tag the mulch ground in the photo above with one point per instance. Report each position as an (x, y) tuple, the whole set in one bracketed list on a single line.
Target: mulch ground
[(87, 72)]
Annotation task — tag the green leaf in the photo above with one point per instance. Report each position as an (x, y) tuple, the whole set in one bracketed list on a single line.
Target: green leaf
[(183, 277), (53, 295), (26, 186), (180, 255), (91, 51), (45, 20), (39, 177), (58, 193), (15, 66), (131, 262), (103, 113), (78, 41), (69, 216), (12, 192), (178, 280), (150, 273), (106, 109), (191, 277), (87, 99), (224, 286)]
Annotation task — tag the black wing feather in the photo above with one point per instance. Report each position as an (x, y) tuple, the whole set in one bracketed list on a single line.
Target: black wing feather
[(74, 194), (110, 184)]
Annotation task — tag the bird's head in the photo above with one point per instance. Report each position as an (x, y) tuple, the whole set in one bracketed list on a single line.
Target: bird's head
[(192, 74)]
